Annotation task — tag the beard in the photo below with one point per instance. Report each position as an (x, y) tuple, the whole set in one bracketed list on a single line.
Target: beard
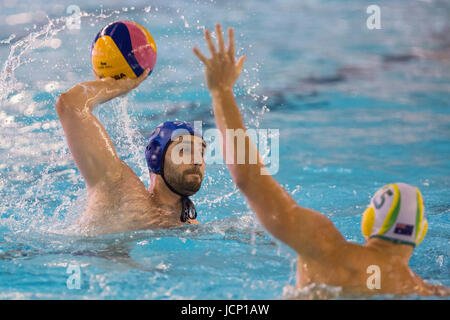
[(186, 183)]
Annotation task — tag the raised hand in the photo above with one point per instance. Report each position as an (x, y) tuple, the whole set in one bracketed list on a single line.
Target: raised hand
[(222, 71)]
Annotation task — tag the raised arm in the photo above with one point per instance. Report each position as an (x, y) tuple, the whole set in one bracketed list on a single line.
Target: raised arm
[(306, 231), (88, 141)]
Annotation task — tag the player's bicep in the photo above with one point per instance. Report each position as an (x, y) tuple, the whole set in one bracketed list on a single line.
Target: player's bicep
[(91, 148)]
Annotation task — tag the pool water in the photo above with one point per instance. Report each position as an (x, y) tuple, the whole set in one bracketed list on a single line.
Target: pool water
[(356, 109)]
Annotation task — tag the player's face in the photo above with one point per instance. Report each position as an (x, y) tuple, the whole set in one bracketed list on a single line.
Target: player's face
[(184, 164)]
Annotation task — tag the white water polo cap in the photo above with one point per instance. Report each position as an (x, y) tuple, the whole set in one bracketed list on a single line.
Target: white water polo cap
[(396, 213)]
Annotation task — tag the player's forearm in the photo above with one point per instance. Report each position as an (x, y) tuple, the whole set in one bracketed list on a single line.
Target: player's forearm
[(226, 112), (228, 117), (248, 176)]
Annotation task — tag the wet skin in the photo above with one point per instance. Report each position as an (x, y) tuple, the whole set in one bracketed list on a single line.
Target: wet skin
[(324, 255), (118, 201)]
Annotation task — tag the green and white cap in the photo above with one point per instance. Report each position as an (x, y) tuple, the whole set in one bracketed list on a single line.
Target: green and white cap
[(396, 213)]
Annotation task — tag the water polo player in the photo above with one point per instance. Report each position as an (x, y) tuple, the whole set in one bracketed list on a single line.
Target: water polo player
[(393, 224), (117, 199)]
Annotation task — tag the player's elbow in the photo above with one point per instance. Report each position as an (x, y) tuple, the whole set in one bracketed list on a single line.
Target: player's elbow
[(61, 104), (65, 103)]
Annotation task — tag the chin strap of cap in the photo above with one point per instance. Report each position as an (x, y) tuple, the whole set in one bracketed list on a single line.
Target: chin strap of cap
[(188, 210)]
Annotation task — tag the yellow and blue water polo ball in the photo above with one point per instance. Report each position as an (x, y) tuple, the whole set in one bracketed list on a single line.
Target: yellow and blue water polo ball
[(123, 49)]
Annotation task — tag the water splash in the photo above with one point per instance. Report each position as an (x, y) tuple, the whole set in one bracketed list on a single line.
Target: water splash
[(312, 292), (23, 110)]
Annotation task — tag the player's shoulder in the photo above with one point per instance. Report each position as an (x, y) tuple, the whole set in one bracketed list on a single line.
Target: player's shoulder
[(353, 256)]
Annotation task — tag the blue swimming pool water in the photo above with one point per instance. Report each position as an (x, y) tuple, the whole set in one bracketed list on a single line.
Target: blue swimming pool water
[(356, 109)]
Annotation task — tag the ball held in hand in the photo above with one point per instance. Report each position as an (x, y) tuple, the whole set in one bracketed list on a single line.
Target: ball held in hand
[(123, 49)]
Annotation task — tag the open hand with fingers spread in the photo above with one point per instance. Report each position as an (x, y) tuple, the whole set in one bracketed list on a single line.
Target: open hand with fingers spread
[(222, 70)]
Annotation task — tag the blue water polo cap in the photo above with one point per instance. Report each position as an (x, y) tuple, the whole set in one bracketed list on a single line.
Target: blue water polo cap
[(160, 139)]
